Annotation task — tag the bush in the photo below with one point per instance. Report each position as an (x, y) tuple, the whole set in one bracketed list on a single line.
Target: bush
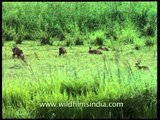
[(44, 38), (149, 42), (28, 37), (108, 33), (58, 19), (97, 37), (58, 32), (148, 30), (69, 42), (9, 37), (129, 34), (9, 34), (79, 41), (45, 41), (19, 39), (99, 41)]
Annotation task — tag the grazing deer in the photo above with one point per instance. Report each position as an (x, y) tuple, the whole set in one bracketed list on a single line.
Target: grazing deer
[(141, 67), (101, 48), (94, 51), (18, 52), (62, 50)]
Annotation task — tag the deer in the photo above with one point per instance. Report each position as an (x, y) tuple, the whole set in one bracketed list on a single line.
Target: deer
[(141, 67), (18, 52), (62, 50), (94, 51)]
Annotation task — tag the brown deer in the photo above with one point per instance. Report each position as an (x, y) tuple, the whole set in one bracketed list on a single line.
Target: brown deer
[(62, 50), (101, 48), (18, 52), (137, 65), (94, 51)]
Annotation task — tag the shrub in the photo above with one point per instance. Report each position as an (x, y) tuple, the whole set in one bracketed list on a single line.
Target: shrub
[(44, 38), (79, 41), (99, 41), (69, 42), (45, 41), (129, 34), (9, 34), (148, 30), (28, 37), (57, 31), (149, 42), (8, 37), (97, 37), (19, 39)]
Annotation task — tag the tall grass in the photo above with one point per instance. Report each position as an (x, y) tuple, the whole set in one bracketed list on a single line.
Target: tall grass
[(58, 19), (107, 78), (128, 29)]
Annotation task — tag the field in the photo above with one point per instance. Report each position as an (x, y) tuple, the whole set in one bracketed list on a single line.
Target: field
[(25, 87), (79, 76)]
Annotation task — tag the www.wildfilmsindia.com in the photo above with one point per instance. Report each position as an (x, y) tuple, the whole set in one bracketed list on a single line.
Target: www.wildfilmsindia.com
[(82, 104)]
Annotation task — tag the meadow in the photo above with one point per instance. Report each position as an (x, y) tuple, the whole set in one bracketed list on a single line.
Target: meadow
[(79, 76)]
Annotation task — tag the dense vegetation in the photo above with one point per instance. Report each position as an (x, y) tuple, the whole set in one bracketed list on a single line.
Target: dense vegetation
[(81, 22), (127, 29)]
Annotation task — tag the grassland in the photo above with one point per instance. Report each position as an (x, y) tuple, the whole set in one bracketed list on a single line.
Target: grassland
[(25, 87), (128, 29)]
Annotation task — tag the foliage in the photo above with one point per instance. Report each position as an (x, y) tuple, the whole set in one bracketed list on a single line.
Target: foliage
[(60, 18), (149, 42), (126, 28)]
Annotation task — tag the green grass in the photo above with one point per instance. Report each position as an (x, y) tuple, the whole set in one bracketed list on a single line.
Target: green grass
[(113, 75), (128, 29), (34, 20)]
